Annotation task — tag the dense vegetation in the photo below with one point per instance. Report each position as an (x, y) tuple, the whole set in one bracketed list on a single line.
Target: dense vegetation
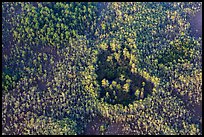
[(100, 68)]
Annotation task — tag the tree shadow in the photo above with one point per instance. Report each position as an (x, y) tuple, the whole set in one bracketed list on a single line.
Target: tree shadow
[(111, 71)]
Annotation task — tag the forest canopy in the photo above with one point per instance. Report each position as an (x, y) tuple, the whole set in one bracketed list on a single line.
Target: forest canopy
[(74, 68)]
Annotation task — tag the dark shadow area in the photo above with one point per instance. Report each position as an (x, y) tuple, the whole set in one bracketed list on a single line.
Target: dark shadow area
[(112, 72), (196, 24), (196, 109)]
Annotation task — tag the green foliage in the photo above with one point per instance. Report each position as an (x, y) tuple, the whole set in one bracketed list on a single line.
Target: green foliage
[(136, 66)]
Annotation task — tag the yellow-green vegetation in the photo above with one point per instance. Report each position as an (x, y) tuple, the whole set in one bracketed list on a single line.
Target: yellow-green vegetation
[(131, 68)]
